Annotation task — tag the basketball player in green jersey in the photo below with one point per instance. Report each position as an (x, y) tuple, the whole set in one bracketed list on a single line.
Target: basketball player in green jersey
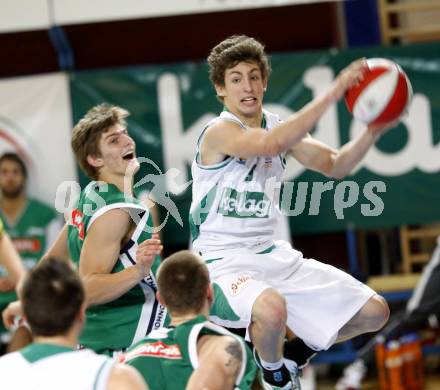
[(53, 303), (265, 285), (108, 237), (192, 353)]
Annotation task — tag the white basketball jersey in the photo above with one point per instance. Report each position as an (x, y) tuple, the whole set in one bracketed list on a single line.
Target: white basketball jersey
[(235, 202), (50, 367)]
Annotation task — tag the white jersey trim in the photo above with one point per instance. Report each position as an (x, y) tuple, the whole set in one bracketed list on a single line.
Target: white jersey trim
[(101, 382), (119, 205), (192, 346)]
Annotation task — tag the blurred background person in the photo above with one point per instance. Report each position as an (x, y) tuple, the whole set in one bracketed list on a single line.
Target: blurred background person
[(421, 310), (31, 224), (11, 271)]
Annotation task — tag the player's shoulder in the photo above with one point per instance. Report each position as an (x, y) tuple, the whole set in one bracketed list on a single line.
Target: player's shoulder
[(221, 130)]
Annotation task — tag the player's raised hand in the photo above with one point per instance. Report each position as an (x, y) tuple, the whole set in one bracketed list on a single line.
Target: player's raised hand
[(378, 129), (12, 311), (146, 253), (349, 77)]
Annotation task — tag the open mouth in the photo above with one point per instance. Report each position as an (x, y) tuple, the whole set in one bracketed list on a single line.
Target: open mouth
[(249, 99), (128, 156)]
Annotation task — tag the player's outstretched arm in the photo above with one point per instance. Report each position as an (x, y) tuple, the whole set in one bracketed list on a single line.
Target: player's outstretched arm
[(220, 360), (10, 259), (337, 163), (100, 252), (59, 247), (226, 138)]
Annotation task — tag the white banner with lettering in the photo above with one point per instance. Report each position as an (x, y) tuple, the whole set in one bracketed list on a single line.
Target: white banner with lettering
[(36, 123)]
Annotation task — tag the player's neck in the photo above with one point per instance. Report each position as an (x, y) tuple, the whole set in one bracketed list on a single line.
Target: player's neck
[(180, 319), (68, 340), (12, 207), (250, 121), (124, 184), (177, 319)]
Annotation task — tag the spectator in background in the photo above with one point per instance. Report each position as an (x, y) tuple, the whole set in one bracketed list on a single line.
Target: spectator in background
[(11, 271), (31, 224), (422, 309), (54, 306)]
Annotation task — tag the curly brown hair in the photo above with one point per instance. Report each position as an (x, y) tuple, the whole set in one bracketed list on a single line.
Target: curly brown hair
[(231, 51), (87, 132)]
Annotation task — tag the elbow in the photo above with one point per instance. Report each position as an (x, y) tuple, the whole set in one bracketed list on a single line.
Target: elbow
[(332, 170), (336, 175), (91, 297), (272, 147)]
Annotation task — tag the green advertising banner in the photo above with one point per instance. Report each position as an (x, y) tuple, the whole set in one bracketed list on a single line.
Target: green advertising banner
[(396, 183)]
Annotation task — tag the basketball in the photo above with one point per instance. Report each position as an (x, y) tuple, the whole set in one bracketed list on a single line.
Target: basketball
[(382, 96)]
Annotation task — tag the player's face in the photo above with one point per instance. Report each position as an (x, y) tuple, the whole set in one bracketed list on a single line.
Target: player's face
[(12, 179), (243, 90), (118, 152)]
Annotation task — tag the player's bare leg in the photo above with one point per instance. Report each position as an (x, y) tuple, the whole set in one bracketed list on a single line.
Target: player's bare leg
[(370, 318), (268, 331)]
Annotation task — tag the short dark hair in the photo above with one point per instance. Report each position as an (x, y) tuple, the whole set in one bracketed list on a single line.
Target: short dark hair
[(182, 281), (52, 295), (10, 156)]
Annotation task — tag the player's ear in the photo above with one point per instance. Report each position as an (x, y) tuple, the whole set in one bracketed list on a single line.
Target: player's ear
[(95, 161), (210, 294), (160, 299), (220, 90), (82, 314)]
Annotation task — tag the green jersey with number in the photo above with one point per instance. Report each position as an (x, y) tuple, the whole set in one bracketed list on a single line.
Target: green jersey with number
[(117, 324), (168, 356)]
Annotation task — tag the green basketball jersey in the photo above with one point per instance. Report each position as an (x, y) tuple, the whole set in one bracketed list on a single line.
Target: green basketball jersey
[(118, 324), (5, 297), (30, 235), (168, 356), (31, 230)]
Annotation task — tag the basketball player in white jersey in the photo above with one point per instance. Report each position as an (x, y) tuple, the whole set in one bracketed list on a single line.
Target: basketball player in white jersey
[(53, 303), (262, 285)]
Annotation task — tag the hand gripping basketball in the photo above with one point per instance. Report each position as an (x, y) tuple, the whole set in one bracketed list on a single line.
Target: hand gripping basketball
[(383, 94)]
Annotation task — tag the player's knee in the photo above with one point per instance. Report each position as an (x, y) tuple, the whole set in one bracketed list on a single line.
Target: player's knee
[(384, 311), (377, 312), (271, 310)]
